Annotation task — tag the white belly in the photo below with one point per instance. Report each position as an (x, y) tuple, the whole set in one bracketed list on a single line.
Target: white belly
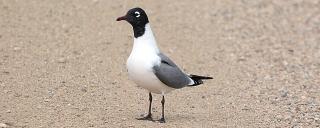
[(141, 60), (141, 72)]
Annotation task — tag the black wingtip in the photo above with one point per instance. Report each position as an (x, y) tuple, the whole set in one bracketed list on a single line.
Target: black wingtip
[(198, 79)]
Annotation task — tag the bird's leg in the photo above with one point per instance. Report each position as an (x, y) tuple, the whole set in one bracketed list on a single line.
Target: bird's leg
[(150, 101), (149, 116), (162, 120)]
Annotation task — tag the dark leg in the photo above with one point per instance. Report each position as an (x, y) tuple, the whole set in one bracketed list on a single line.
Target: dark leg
[(149, 116), (150, 101), (162, 120)]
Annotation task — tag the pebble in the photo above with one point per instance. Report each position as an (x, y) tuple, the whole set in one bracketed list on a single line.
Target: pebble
[(62, 60), (39, 107), (17, 94), (6, 91), (114, 82), (279, 117), (16, 48), (84, 90), (284, 92), (267, 77), (91, 125), (6, 72), (285, 63), (287, 117), (3, 125)]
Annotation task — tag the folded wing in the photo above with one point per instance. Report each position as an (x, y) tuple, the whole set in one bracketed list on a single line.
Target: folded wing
[(170, 74)]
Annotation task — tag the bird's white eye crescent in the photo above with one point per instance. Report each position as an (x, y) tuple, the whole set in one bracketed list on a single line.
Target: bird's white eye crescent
[(137, 14)]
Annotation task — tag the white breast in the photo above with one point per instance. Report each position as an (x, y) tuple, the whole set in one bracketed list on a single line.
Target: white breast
[(143, 57)]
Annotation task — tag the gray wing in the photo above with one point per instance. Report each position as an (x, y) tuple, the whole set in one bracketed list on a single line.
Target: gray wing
[(170, 74)]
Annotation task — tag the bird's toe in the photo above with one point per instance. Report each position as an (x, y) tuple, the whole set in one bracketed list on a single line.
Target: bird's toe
[(148, 117), (162, 120)]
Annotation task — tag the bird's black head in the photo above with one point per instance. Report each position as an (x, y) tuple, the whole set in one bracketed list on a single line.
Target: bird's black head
[(138, 18)]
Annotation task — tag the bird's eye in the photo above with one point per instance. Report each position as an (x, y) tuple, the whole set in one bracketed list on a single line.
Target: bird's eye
[(137, 14)]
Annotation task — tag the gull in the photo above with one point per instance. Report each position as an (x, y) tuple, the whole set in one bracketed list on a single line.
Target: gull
[(148, 67)]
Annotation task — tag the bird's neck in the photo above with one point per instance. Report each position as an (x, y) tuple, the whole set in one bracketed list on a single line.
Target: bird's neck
[(146, 41), (138, 31)]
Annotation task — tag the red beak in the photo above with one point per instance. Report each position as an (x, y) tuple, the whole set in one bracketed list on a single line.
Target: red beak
[(122, 18)]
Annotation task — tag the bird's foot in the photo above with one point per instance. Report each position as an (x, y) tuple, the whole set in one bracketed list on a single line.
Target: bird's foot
[(162, 120), (148, 117)]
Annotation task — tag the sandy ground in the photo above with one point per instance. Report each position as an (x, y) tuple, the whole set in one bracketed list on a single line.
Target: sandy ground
[(62, 63)]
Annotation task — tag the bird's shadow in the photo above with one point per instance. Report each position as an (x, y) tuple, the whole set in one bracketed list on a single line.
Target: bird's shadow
[(171, 118)]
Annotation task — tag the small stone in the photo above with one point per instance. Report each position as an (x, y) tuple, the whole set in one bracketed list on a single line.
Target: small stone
[(287, 117), (241, 59), (64, 25), (114, 82), (267, 77), (8, 111), (6, 72), (245, 109), (17, 95), (108, 42), (16, 48), (3, 125), (279, 117), (285, 63), (6, 91), (91, 125), (62, 60), (83, 89), (46, 100), (284, 92), (290, 50), (76, 52)]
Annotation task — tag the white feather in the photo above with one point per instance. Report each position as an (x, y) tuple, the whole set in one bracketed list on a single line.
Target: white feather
[(143, 57)]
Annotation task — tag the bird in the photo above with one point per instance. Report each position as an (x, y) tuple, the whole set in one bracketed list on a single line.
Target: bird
[(151, 69)]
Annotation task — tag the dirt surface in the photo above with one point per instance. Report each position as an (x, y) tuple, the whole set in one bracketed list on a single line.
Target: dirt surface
[(62, 63)]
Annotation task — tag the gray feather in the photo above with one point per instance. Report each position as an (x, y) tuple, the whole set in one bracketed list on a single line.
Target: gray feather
[(170, 74)]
